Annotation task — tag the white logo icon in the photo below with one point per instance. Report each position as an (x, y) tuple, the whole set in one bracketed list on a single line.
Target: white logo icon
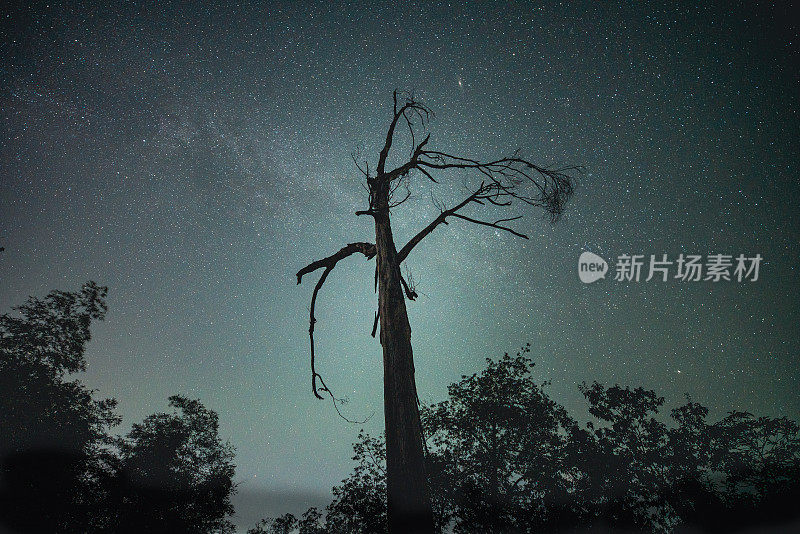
[(591, 267)]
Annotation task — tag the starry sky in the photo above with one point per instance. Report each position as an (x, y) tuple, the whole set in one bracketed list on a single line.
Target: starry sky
[(193, 157)]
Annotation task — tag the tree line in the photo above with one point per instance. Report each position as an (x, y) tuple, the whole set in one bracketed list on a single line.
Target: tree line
[(501, 455)]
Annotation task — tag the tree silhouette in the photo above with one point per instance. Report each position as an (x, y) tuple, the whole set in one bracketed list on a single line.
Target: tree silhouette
[(359, 502), (748, 473), (284, 524), (500, 452), (505, 458), (503, 183), (60, 469), (53, 434), (176, 473)]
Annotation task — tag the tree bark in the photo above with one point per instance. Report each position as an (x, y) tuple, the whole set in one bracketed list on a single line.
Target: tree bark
[(409, 502)]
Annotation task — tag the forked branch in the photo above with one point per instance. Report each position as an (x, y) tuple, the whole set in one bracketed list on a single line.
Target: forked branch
[(486, 192), (410, 112)]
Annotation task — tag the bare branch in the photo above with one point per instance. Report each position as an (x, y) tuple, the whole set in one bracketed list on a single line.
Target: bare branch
[(426, 173), (489, 192), (442, 218), (364, 170), (552, 187), (412, 163), (369, 251), (395, 203), (494, 224), (397, 184), (410, 108)]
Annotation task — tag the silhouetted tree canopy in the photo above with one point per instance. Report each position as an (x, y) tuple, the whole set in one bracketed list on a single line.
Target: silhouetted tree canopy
[(503, 457), (53, 432), (177, 473), (500, 451), (61, 471)]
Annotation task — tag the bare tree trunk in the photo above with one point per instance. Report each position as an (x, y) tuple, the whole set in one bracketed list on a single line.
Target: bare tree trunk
[(409, 502), (502, 182)]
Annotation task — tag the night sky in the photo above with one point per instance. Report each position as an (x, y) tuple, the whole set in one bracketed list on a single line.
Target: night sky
[(194, 158)]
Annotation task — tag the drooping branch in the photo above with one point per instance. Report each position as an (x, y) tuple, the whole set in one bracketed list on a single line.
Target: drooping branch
[(369, 251)]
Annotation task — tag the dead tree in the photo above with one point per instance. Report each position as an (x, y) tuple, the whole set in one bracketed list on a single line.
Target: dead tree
[(500, 183)]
